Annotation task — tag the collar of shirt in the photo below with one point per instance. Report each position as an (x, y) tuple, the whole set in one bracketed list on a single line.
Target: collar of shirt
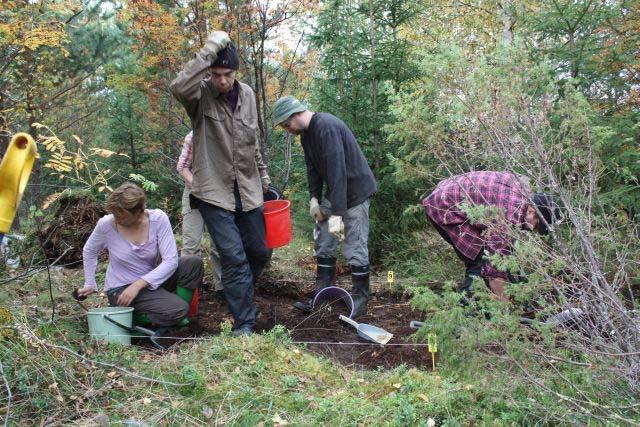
[(232, 96), (312, 122)]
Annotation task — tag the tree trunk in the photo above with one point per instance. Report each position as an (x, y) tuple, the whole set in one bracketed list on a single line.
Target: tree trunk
[(374, 86), (132, 145), (5, 134), (35, 172)]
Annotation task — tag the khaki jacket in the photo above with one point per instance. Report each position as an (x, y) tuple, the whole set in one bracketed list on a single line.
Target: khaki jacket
[(225, 142)]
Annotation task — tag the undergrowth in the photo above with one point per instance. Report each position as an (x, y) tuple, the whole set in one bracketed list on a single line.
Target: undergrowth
[(53, 374)]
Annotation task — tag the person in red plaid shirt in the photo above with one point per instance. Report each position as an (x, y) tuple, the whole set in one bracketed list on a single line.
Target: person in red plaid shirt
[(508, 201)]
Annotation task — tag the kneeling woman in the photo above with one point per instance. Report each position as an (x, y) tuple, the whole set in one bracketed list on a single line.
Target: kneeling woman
[(144, 268)]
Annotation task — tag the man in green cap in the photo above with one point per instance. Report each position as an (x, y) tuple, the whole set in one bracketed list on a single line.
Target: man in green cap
[(334, 160)]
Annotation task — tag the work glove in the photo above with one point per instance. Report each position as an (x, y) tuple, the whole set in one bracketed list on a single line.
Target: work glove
[(336, 227), (265, 183), (216, 41), (315, 211)]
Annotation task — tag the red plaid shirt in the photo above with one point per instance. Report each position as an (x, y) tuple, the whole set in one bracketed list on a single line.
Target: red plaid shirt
[(504, 191)]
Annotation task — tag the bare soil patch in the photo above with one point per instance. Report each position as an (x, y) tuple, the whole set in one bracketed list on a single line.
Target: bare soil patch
[(321, 331)]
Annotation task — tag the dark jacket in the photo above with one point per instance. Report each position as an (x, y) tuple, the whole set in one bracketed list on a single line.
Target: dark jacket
[(333, 157)]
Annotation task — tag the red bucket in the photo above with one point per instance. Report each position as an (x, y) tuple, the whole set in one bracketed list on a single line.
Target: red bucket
[(277, 220)]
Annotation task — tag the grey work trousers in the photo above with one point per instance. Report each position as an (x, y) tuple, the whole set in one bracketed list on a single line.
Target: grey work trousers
[(192, 231), (356, 235), (162, 305)]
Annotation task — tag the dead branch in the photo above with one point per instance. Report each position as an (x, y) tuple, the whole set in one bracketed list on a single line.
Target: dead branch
[(9, 395), (39, 341)]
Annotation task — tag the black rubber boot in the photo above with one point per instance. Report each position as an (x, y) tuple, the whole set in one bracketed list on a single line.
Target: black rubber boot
[(360, 290), (325, 277), (466, 289)]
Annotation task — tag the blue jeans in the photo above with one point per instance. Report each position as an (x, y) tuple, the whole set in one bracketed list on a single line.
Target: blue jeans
[(239, 237)]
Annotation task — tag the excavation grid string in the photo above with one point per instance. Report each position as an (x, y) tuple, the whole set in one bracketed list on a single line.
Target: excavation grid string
[(162, 337)]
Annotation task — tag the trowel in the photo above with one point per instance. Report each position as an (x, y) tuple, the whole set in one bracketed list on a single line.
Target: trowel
[(369, 332)]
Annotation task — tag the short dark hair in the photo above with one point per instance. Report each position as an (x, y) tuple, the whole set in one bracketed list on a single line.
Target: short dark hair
[(548, 208)]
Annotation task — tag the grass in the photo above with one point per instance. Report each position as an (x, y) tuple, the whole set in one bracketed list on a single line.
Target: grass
[(56, 375), (261, 379)]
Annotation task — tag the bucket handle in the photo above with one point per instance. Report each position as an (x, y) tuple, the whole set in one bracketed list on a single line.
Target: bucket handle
[(115, 322), (153, 336)]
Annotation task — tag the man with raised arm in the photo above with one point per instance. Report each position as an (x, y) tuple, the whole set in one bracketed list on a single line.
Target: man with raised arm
[(229, 177)]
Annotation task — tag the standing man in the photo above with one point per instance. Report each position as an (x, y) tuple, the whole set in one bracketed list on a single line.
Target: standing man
[(508, 201), (334, 158), (192, 222), (229, 177)]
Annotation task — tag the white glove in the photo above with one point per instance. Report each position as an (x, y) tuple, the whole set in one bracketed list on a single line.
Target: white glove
[(315, 211), (216, 41), (265, 180), (336, 227)]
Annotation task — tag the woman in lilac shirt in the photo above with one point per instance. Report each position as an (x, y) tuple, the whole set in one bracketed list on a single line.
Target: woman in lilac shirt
[(144, 268)]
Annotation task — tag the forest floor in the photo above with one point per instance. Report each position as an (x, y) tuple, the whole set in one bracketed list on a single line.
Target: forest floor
[(299, 368), (321, 331)]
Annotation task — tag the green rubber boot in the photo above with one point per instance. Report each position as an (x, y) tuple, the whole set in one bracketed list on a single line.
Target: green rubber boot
[(184, 322), (141, 319), (186, 295)]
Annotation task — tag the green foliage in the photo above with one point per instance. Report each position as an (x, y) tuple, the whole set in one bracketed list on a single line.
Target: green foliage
[(588, 46), (192, 376), (364, 57), (571, 36), (618, 150), (428, 94), (279, 335), (226, 329), (147, 185), (35, 213)]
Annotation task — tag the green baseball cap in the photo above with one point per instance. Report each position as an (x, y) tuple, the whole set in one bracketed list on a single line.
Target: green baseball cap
[(285, 107)]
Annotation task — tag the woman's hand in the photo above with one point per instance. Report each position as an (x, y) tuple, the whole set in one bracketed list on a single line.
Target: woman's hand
[(128, 295), (86, 291)]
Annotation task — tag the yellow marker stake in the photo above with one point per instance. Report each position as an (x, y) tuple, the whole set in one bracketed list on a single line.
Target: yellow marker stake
[(432, 345), (389, 277), (14, 173)]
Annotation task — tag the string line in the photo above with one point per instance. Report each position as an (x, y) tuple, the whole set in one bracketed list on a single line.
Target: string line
[(292, 342)]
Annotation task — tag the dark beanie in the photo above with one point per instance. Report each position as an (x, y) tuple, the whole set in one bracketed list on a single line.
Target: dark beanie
[(227, 58), (549, 210)]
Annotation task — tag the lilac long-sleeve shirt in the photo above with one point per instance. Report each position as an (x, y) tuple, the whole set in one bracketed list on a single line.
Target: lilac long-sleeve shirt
[(129, 262)]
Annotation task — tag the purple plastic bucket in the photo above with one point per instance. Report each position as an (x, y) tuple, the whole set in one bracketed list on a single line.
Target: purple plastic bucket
[(334, 293)]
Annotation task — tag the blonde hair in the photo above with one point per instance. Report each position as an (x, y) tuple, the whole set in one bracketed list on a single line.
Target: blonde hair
[(127, 197)]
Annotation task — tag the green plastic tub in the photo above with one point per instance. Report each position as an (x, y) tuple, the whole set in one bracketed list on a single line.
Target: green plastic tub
[(101, 329)]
